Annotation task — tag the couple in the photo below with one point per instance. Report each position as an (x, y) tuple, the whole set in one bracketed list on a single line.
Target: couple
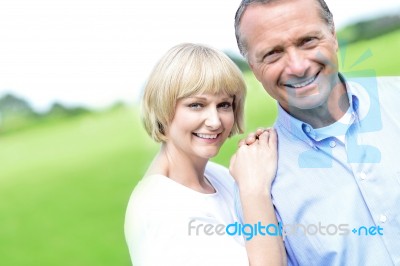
[(337, 185)]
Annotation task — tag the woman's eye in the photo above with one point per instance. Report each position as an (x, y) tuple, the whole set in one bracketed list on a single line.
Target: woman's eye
[(195, 105), (225, 105)]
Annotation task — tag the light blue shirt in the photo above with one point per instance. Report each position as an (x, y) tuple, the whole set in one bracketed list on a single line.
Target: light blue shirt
[(337, 189)]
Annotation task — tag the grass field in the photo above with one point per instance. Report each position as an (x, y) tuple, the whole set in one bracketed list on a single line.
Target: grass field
[(379, 54), (64, 186)]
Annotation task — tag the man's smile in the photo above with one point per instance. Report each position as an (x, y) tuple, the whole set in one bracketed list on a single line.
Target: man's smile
[(303, 83)]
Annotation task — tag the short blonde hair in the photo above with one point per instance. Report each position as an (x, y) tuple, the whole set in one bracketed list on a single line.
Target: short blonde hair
[(186, 70)]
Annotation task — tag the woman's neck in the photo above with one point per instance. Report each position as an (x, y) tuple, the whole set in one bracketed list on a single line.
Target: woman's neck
[(181, 168)]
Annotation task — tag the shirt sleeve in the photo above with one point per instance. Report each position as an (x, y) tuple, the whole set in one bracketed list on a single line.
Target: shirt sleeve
[(291, 259)]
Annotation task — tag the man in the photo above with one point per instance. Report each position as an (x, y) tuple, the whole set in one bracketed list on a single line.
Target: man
[(337, 188)]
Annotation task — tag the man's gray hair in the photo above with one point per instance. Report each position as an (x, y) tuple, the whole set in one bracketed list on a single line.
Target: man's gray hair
[(326, 15)]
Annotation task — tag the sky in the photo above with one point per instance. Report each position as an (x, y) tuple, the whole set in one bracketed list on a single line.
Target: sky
[(96, 52)]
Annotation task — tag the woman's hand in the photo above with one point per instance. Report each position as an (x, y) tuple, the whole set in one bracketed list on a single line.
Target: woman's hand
[(253, 136), (254, 164), (254, 167)]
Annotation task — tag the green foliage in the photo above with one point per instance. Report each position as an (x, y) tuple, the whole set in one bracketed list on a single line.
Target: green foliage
[(369, 29), (12, 105), (239, 61), (16, 114), (59, 111)]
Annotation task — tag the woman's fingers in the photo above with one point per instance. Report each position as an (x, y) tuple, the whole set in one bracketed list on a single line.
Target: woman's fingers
[(241, 143), (251, 138), (264, 138), (273, 138), (254, 136)]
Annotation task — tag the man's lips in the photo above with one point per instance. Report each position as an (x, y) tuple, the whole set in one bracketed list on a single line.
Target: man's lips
[(302, 83)]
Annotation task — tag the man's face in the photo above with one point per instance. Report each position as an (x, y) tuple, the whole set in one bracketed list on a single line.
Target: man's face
[(292, 52)]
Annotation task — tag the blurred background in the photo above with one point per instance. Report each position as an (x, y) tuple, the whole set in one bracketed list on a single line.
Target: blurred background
[(72, 146)]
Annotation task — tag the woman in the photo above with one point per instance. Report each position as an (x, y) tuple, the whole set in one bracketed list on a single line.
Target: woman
[(179, 212)]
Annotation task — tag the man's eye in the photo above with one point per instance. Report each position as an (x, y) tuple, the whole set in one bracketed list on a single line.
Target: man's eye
[(308, 40), (272, 55)]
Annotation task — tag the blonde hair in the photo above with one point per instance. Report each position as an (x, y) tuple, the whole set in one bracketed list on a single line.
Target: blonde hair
[(186, 70)]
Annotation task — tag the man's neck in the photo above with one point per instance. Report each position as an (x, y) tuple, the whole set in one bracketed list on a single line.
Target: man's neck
[(326, 114)]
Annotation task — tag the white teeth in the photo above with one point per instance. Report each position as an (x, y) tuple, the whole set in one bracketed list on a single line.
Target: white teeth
[(305, 83), (206, 136)]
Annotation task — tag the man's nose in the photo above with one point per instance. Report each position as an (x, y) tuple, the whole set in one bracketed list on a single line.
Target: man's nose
[(296, 63), (213, 121)]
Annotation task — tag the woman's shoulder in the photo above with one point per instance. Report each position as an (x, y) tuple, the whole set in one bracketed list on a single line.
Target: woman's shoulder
[(148, 189), (147, 203), (155, 195), (216, 169), (219, 176)]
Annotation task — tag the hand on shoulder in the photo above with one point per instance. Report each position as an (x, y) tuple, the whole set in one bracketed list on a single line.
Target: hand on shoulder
[(254, 165)]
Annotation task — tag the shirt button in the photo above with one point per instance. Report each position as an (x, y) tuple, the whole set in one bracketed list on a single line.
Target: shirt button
[(383, 218), (308, 129), (362, 176), (332, 143)]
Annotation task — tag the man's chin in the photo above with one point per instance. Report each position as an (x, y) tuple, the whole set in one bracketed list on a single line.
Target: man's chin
[(308, 102)]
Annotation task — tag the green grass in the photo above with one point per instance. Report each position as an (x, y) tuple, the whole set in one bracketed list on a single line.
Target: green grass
[(64, 185), (64, 188), (380, 55)]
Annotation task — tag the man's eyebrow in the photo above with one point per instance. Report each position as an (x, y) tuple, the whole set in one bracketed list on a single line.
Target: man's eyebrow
[(263, 52), (310, 34)]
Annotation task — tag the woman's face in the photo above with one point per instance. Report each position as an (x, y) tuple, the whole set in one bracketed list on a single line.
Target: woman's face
[(201, 124)]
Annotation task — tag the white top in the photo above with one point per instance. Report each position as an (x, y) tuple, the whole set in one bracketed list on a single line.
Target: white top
[(158, 226)]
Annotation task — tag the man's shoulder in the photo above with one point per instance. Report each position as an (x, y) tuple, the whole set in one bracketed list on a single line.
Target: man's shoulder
[(380, 81), (387, 88), (389, 78), (392, 82)]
